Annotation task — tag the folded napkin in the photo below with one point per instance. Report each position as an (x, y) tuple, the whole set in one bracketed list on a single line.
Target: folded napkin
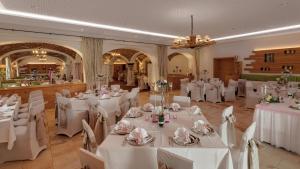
[(133, 112), (196, 110), (175, 106), (148, 107), (123, 125), (138, 135), (182, 135), (105, 96), (115, 94), (201, 126)]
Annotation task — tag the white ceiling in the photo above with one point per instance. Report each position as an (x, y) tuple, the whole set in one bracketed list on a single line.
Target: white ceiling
[(216, 18)]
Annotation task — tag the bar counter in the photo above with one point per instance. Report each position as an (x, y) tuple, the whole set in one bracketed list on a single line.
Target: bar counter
[(48, 91)]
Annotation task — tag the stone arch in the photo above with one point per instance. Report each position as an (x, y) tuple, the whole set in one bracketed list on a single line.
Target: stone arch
[(190, 58)]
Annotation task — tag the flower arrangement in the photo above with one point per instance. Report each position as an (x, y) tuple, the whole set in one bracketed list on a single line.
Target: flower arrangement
[(270, 99)]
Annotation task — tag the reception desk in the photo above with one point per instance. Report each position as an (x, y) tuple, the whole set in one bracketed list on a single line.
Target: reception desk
[(48, 91)]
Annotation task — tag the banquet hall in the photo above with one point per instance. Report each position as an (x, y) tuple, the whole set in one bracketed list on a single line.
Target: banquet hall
[(194, 84)]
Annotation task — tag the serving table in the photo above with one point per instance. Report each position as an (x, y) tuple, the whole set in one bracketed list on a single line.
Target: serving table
[(211, 153), (279, 125)]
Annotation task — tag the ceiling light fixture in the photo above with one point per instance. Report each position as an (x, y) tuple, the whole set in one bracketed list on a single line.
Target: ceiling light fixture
[(285, 28), (192, 41), (80, 23)]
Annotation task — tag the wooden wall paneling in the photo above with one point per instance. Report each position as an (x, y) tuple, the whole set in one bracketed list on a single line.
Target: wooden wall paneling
[(226, 68), (282, 57)]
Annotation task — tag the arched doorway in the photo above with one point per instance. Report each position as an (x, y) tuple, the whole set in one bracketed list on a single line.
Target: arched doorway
[(180, 65), (128, 67), (39, 61)]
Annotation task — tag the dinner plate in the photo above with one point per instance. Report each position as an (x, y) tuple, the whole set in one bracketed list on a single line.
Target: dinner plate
[(120, 132), (211, 131), (194, 140), (148, 139), (137, 115)]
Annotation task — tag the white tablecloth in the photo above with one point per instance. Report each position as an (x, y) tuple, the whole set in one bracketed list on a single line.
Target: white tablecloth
[(7, 131), (210, 154), (278, 125), (111, 105)]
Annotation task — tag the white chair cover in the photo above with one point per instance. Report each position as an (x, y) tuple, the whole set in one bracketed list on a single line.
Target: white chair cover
[(197, 91), (248, 154), (229, 93), (89, 140), (227, 129), (103, 125), (252, 95), (133, 97), (90, 161), (69, 120), (213, 93), (183, 86), (93, 105), (168, 160), (115, 87), (30, 139), (183, 101)]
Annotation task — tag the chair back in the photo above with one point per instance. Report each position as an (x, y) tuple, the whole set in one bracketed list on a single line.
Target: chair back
[(93, 111), (89, 140), (245, 150), (168, 160), (89, 160), (227, 128), (183, 101), (115, 87), (64, 109)]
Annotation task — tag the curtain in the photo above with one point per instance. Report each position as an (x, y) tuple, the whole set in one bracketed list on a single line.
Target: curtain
[(92, 59), (197, 62), (162, 60)]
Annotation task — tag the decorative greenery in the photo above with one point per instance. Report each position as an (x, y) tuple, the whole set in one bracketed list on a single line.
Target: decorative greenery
[(270, 99), (258, 77)]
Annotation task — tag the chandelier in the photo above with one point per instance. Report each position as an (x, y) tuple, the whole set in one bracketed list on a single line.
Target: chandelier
[(41, 54), (192, 41)]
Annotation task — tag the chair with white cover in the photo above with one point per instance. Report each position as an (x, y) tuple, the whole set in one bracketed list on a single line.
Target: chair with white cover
[(183, 86), (30, 139), (233, 83), (155, 99), (89, 139), (69, 120), (247, 156), (66, 93), (227, 129), (213, 93), (168, 160), (241, 87), (183, 101), (115, 87), (93, 104), (197, 92), (103, 124), (89, 160), (133, 97), (124, 104), (229, 93)]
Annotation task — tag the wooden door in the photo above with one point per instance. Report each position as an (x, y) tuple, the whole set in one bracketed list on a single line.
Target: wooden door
[(226, 68)]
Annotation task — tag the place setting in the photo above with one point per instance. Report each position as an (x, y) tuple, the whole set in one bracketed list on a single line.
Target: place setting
[(139, 137), (183, 137)]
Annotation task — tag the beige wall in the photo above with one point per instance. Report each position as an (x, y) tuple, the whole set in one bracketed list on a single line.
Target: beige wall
[(181, 62)]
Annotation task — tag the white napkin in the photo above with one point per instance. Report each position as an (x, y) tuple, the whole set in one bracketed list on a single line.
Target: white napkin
[(89, 91), (123, 125), (148, 107), (4, 108), (133, 112), (116, 94), (182, 135), (105, 96), (138, 135), (175, 106), (196, 110)]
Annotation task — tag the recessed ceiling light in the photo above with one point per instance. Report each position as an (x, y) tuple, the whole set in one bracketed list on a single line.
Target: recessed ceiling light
[(80, 23), (291, 27)]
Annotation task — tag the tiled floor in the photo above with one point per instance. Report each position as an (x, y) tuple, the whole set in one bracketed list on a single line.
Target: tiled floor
[(62, 152)]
